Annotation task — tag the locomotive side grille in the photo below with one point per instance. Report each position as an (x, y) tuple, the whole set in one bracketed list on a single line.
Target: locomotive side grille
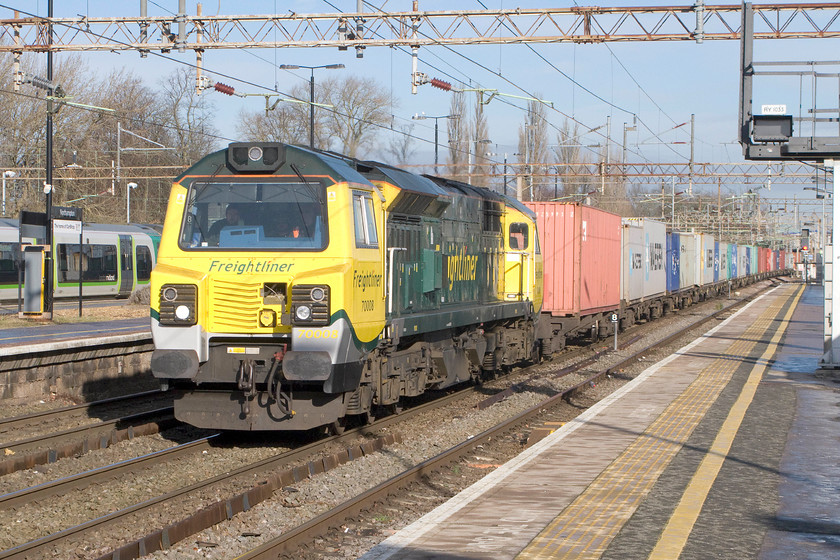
[(234, 305)]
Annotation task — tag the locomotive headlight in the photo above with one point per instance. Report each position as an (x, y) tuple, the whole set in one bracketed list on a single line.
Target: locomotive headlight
[(255, 153), (317, 294), (311, 304), (178, 304), (303, 313)]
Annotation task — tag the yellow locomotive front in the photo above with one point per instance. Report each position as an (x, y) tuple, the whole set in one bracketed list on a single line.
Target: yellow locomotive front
[(269, 289)]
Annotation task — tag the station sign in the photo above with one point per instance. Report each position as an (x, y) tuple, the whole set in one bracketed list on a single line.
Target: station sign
[(67, 226), (67, 213), (774, 109)]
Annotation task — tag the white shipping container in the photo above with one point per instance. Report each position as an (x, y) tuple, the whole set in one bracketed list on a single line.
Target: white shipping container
[(743, 264), (707, 258), (643, 257), (688, 259)]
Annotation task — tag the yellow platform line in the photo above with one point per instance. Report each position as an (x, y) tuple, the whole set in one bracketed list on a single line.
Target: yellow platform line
[(585, 528), (679, 527)]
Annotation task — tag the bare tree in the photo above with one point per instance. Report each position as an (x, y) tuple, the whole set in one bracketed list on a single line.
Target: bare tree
[(361, 106), (533, 150), (573, 165), (23, 118), (481, 140), (189, 115), (458, 132), (612, 187), (401, 146), (279, 125), (288, 122)]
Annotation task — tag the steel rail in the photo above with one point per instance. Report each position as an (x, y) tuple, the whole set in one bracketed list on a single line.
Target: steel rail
[(102, 474), (40, 450), (74, 411)]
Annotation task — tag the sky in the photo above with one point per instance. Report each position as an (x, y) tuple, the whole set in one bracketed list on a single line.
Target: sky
[(659, 84)]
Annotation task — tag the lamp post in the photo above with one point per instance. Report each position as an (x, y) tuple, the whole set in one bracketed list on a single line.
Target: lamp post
[(674, 199), (423, 116), (48, 176), (128, 189), (311, 92), (624, 148), (477, 153), (6, 175)]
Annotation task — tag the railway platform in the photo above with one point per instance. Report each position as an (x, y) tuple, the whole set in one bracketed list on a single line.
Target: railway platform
[(726, 449), (52, 337)]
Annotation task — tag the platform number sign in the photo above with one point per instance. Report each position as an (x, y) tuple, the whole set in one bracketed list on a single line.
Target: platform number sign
[(614, 321)]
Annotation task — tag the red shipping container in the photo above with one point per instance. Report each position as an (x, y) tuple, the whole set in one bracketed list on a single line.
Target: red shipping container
[(581, 250)]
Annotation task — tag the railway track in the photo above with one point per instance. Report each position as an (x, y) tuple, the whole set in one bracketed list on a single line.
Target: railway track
[(304, 535), (43, 438)]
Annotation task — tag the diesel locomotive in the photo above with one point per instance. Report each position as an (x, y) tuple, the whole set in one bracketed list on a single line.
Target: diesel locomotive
[(297, 288)]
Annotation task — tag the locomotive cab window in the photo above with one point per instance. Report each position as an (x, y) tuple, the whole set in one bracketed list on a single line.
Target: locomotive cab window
[(364, 220), (518, 236), (255, 216)]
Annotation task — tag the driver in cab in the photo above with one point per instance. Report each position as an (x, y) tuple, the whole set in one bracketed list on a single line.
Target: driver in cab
[(232, 219)]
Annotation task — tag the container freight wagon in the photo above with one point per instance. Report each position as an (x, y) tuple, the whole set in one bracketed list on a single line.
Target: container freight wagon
[(753, 258), (581, 249), (643, 244)]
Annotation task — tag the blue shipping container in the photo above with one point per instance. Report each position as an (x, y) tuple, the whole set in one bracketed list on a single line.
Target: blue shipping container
[(672, 250)]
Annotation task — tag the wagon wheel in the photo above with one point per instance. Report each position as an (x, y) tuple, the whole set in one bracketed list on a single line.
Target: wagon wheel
[(337, 428)]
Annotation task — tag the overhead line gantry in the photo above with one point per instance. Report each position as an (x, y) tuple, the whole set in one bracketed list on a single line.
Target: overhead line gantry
[(577, 24)]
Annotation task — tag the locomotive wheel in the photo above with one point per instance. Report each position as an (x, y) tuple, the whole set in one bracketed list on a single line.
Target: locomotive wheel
[(337, 428)]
